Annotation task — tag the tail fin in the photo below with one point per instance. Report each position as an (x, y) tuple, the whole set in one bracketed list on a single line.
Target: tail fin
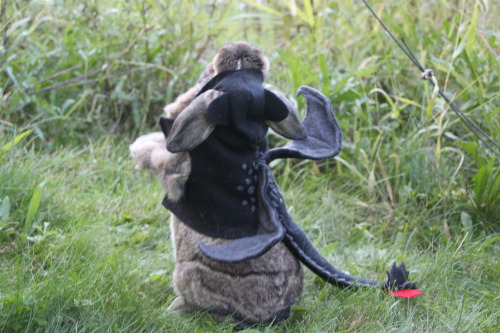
[(297, 241)]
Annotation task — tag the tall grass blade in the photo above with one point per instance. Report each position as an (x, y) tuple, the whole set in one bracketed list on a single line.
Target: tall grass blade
[(8, 146), (353, 169), (75, 106), (4, 210), (34, 206), (471, 32), (262, 7), (300, 13), (309, 12)]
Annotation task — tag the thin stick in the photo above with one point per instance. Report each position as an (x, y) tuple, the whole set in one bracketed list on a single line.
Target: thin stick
[(53, 76)]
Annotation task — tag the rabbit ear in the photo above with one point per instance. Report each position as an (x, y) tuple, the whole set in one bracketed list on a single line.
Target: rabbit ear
[(290, 127), (192, 126)]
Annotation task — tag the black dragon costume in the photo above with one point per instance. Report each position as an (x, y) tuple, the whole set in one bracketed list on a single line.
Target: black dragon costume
[(231, 192)]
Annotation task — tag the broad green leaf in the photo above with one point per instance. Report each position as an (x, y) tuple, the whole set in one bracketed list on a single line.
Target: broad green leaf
[(487, 187), (466, 223), (473, 149)]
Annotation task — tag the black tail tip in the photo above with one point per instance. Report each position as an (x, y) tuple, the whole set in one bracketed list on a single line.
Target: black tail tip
[(397, 278)]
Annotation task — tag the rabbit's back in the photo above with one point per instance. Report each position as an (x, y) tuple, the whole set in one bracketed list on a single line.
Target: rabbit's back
[(255, 290)]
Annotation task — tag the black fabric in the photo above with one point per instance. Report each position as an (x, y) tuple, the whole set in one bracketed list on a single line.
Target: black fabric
[(246, 105), (397, 278), (166, 125), (220, 195), (227, 162), (270, 229)]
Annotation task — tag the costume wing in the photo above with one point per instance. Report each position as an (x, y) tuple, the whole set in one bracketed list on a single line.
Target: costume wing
[(324, 137)]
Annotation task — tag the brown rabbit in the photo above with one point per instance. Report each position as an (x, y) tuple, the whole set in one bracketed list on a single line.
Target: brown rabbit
[(256, 290), (212, 174)]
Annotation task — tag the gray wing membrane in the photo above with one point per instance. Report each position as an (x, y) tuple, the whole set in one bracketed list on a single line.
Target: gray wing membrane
[(324, 137)]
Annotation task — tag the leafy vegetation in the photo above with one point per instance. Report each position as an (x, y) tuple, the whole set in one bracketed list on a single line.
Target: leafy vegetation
[(84, 242)]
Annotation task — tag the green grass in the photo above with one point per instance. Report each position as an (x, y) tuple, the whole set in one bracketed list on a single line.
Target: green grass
[(84, 241)]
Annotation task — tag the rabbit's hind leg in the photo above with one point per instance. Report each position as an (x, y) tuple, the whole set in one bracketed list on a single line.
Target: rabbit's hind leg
[(180, 306), (256, 290)]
